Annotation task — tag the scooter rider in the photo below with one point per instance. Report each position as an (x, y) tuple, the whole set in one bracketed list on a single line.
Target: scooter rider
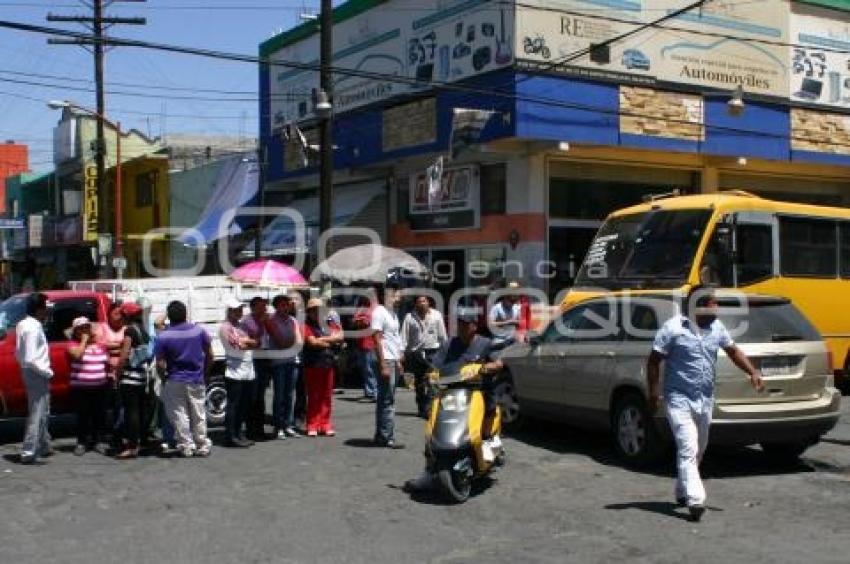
[(468, 346)]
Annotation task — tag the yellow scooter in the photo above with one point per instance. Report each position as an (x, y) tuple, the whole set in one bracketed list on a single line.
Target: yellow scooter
[(455, 451)]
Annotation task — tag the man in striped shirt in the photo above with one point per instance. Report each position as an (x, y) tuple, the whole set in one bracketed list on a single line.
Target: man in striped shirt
[(89, 360)]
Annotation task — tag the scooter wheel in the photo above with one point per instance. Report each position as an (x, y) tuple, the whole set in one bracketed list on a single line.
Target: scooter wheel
[(456, 486)]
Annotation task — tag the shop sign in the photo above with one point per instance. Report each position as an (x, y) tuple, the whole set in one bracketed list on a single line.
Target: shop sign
[(11, 223), (398, 38), (734, 54), (820, 64), (455, 207), (90, 209), (36, 230)]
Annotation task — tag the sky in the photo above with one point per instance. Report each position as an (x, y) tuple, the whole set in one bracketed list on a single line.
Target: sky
[(155, 78)]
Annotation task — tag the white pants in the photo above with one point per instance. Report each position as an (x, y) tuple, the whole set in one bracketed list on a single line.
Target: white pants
[(184, 406), (689, 422), (36, 436)]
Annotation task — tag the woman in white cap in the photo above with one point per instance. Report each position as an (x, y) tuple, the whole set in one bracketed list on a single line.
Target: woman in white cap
[(238, 373), (89, 383)]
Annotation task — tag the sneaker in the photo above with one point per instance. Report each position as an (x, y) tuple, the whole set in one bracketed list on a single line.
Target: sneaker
[(487, 453), (203, 452), (79, 450), (682, 501), (329, 433), (291, 432), (27, 459), (186, 452), (312, 433), (127, 454), (393, 445), (696, 512), (281, 435)]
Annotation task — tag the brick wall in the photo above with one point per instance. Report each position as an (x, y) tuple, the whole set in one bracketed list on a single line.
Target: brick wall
[(819, 131), (659, 108)]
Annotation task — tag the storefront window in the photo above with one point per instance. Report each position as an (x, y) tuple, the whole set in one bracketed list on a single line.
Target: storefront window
[(493, 188)]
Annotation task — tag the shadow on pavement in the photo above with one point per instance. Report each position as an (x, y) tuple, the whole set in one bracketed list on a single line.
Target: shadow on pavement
[(434, 496), (666, 508), (719, 462), (361, 443)]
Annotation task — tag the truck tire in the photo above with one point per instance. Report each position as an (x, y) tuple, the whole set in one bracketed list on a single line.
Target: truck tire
[(215, 402)]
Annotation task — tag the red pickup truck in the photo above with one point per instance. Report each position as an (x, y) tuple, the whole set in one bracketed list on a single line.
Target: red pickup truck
[(64, 306)]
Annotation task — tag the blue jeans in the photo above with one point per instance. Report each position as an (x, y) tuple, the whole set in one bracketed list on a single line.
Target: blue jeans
[(385, 405), (369, 371), (284, 379)]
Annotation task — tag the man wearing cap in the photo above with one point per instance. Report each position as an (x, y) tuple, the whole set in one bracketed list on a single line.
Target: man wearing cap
[(468, 346), (504, 318), (254, 324), (238, 373), (33, 357)]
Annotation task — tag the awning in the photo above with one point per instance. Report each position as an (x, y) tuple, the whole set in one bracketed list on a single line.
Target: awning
[(279, 236), (236, 186)]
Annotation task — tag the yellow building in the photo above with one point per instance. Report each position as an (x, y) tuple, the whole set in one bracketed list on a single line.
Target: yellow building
[(145, 209)]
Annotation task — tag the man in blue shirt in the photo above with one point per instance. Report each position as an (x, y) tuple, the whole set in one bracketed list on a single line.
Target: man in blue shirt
[(689, 345)]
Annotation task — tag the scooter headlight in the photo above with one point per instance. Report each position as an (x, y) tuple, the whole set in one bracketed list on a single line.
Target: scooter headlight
[(453, 402)]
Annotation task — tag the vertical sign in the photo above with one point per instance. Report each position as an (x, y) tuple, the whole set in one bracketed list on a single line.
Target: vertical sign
[(90, 210)]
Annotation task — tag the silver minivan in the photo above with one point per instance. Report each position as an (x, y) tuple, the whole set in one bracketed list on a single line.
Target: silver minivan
[(588, 368)]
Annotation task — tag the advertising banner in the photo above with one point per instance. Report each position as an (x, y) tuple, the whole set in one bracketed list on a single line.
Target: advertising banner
[(455, 207), (721, 45), (424, 41), (820, 59), (90, 208)]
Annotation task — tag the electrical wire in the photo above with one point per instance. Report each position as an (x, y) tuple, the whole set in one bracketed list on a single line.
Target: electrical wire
[(389, 78)]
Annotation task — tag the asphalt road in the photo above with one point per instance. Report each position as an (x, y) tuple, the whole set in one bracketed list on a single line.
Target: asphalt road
[(561, 498)]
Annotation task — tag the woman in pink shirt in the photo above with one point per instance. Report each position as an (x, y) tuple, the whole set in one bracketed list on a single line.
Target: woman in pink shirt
[(88, 385)]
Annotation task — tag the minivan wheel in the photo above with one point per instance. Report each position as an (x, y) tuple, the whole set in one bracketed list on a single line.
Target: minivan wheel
[(786, 452), (506, 398), (635, 437), (215, 403)]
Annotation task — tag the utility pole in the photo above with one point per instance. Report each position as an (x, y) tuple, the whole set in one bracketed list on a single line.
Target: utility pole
[(324, 110), (97, 24)]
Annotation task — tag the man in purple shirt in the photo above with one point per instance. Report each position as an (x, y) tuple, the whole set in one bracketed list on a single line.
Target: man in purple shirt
[(183, 352)]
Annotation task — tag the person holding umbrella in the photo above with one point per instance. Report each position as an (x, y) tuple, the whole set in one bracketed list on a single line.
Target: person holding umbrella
[(320, 343)]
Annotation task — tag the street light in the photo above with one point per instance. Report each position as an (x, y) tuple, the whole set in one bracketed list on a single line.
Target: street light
[(118, 252)]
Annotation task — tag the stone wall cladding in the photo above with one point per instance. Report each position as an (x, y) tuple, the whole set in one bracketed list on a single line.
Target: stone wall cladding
[(410, 125), (654, 109), (818, 131)]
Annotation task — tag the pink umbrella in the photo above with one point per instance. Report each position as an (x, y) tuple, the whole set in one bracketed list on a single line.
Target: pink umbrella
[(269, 273)]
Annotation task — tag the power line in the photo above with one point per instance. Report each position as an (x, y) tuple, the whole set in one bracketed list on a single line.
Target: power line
[(395, 78)]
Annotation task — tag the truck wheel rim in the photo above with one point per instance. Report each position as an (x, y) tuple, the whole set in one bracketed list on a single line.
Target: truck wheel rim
[(216, 401), (630, 431)]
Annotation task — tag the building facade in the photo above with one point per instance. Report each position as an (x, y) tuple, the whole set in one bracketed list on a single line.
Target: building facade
[(574, 127)]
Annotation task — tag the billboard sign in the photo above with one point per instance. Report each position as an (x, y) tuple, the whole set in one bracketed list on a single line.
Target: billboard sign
[(90, 208), (721, 45), (403, 38), (820, 59)]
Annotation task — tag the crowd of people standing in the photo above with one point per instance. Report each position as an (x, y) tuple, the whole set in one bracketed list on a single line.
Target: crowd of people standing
[(133, 377)]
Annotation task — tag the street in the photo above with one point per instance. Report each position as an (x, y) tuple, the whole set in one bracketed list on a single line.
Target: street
[(562, 497)]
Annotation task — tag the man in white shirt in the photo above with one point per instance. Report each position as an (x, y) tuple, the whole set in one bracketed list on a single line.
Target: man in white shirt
[(423, 333), (388, 347), (33, 356), (503, 320)]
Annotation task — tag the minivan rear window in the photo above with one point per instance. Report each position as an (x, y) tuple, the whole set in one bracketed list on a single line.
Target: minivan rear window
[(769, 321)]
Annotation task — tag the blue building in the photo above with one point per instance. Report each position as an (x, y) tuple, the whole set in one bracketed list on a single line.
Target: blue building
[(751, 96)]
